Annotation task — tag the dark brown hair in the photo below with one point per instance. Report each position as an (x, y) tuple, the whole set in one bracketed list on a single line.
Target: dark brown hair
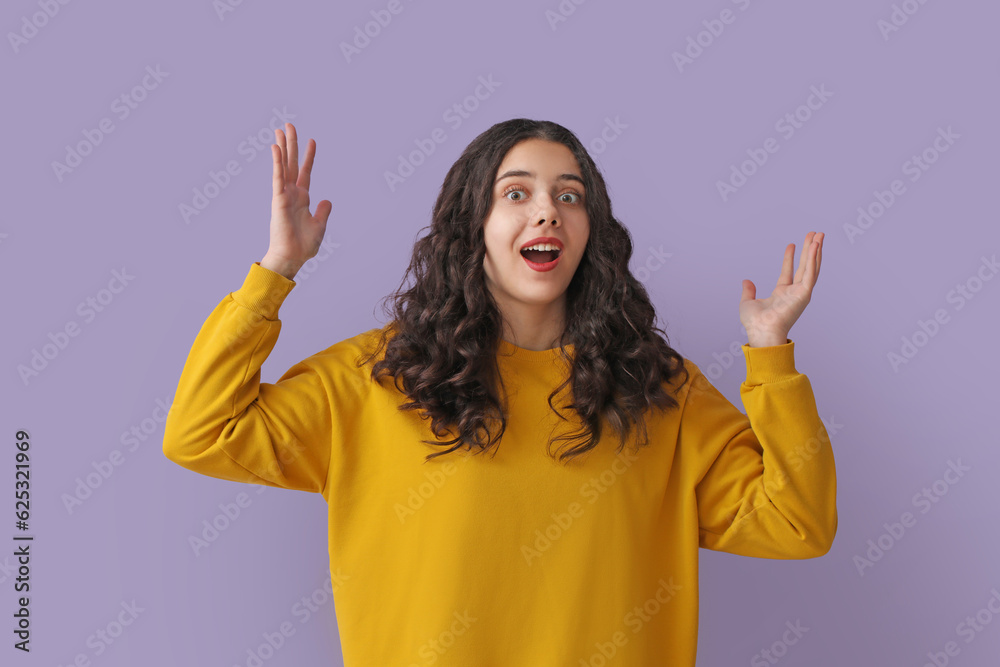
[(446, 328)]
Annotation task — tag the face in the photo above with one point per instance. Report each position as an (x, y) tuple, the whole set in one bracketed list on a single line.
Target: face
[(547, 201)]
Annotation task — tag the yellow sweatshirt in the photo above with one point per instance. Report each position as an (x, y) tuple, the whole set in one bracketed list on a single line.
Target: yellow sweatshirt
[(473, 561)]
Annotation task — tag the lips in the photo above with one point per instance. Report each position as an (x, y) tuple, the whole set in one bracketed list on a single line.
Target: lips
[(542, 266)]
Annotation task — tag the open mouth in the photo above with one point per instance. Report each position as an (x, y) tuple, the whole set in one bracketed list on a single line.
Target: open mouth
[(540, 256)]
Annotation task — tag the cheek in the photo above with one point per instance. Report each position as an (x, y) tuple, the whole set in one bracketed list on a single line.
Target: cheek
[(498, 265), (490, 260), (495, 263), (498, 249)]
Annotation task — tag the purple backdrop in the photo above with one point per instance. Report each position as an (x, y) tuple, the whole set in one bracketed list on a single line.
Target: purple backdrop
[(137, 199)]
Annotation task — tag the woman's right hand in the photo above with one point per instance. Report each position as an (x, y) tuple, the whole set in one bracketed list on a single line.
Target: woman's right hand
[(295, 233)]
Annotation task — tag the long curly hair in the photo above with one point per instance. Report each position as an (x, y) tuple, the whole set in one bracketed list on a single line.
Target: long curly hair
[(442, 342)]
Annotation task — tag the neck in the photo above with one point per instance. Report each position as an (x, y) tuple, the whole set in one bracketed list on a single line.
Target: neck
[(534, 327)]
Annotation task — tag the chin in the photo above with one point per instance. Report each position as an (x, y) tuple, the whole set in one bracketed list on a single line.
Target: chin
[(540, 296)]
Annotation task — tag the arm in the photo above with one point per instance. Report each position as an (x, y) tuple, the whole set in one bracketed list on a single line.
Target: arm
[(225, 423), (767, 482)]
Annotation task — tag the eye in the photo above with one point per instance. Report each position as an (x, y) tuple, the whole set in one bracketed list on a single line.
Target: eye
[(517, 188), (512, 189)]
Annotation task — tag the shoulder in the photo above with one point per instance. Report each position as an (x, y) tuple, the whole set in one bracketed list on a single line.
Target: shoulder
[(687, 376), (690, 384), (344, 361), (355, 350), (362, 351)]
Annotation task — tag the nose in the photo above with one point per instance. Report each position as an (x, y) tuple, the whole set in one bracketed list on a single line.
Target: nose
[(546, 210)]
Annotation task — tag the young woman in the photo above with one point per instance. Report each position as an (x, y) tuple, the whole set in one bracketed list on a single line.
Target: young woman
[(458, 533)]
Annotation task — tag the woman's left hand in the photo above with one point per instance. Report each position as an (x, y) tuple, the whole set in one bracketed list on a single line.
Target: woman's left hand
[(769, 320)]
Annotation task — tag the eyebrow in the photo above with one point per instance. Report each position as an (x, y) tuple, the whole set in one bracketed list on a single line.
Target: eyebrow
[(521, 172)]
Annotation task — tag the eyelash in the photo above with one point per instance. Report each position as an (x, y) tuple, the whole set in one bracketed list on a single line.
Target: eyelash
[(518, 188)]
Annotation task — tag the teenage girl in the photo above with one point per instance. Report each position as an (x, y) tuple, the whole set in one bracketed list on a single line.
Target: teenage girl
[(459, 534)]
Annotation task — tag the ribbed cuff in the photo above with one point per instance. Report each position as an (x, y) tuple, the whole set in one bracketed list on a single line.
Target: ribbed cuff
[(263, 291), (770, 364)]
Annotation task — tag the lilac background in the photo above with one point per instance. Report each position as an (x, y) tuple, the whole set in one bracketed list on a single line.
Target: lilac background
[(896, 429)]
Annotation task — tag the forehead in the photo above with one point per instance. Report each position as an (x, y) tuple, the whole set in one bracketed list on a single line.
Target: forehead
[(541, 153), (539, 158)]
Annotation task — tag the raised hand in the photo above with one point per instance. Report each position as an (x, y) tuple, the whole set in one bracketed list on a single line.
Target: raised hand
[(296, 234), (769, 320)]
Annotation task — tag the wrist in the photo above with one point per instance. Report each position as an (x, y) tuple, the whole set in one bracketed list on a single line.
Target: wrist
[(283, 267), (766, 339)]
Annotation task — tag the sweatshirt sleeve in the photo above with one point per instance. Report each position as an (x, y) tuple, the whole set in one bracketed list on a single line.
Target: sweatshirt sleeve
[(225, 423), (767, 485)]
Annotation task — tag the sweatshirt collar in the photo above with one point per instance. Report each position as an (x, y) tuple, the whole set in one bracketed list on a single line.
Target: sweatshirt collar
[(509, 352)]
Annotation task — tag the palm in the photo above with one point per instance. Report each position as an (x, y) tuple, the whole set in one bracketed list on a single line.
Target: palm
[(775, 315)]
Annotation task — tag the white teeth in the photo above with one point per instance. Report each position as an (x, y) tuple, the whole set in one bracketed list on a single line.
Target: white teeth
[(542, 246)]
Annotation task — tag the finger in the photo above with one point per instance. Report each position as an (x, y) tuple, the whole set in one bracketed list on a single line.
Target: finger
[(819, 253), (280, 140), (278, 179), (806, 245), (785, 278), (293, 154), (323, 211), (306, 173), (809, 275)]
